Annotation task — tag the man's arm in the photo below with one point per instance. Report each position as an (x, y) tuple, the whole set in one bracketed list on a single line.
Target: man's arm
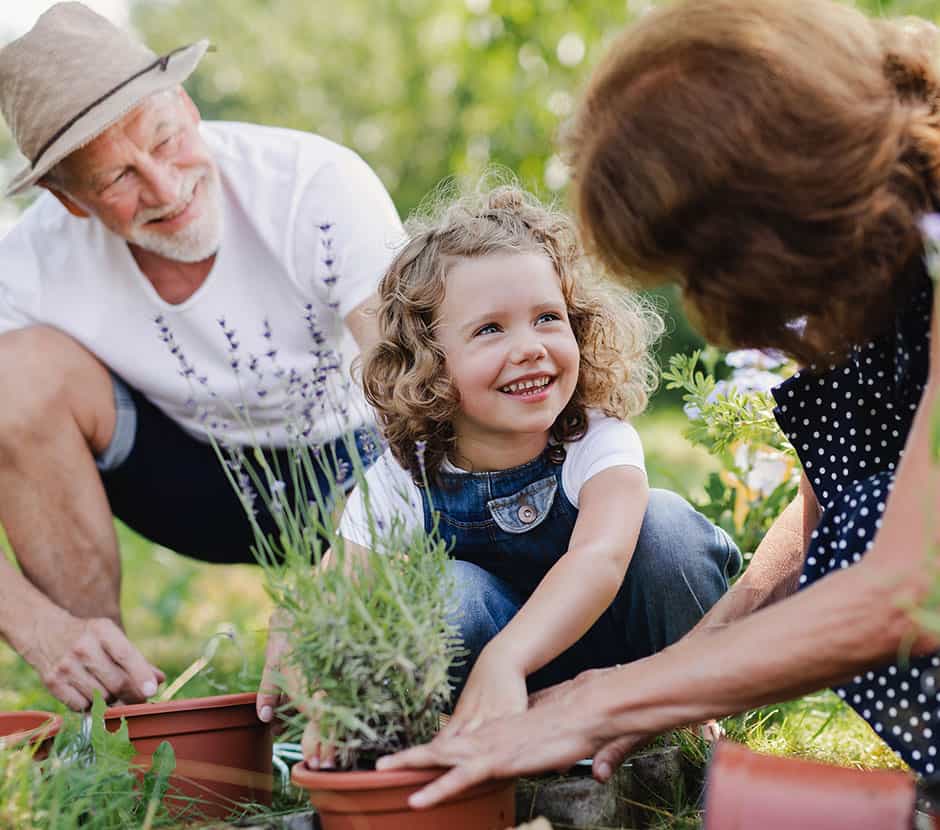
[(74, 657), (774, 570)]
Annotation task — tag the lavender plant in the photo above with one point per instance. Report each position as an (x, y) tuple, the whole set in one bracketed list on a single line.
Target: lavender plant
[(733, 419), (369, 643)]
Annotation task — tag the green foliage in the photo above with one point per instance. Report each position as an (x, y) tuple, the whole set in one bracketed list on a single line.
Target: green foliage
[(733, 420), (86, 781), (370, 644)]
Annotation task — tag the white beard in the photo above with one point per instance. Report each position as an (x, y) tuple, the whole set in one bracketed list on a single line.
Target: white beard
[(197, 241)]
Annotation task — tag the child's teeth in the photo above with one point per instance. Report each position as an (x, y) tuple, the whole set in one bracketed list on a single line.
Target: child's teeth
[(527, 384)]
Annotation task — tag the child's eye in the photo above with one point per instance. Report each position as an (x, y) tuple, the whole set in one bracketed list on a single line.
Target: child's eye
[(548, 317), (489, 328)]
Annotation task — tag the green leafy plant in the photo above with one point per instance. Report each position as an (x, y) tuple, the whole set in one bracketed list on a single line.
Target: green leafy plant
[(733, 419), (86, 781)]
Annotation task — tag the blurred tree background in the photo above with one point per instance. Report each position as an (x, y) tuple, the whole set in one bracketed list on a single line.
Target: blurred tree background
[(422, 89)]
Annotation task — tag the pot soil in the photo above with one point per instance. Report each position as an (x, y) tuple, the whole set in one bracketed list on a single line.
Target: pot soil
[(223, 752), (379, 801), (29, 727), (746, 790)]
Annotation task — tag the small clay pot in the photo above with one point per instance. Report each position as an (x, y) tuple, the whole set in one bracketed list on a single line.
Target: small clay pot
[(379, 801), (223, 752), (746, 790), (29, 727)]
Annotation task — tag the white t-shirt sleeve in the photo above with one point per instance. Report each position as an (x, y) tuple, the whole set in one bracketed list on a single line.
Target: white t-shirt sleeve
[(609, 442), (19, 278), (347, 233), (392, 496)]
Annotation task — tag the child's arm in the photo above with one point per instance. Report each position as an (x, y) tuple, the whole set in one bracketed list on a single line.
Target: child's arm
[(567, 602)]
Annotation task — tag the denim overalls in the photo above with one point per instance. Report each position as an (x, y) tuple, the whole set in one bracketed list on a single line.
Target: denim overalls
[(506, 529)]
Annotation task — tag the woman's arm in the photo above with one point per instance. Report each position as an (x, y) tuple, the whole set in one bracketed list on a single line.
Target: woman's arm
[(849, 621), (774, 570)]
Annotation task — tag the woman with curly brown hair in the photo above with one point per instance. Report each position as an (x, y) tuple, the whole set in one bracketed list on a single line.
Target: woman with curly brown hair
[(503, 381), (774, 158)]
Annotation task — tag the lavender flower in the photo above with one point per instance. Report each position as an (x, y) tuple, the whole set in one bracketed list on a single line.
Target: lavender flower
[(420, 449)]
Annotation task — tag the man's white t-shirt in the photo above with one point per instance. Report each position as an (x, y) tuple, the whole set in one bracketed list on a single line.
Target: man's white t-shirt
[(394, 497), (308, 231)]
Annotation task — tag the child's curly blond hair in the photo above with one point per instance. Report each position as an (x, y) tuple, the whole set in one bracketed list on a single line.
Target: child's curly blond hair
[(405, 375)]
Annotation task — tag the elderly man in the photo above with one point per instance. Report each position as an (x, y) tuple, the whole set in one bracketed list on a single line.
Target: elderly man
[(170, 265)]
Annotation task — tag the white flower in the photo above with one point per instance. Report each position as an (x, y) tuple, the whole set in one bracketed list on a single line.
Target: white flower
[(770, 469), (747, 381), (755, 359)]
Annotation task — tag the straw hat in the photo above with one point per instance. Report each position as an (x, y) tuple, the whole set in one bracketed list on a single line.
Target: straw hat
[(72, 76)]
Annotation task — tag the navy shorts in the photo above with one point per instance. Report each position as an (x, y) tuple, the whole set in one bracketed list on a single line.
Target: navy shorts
[(172, 488)]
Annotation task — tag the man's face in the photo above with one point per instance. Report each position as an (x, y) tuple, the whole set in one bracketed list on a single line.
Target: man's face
[(151, 180)]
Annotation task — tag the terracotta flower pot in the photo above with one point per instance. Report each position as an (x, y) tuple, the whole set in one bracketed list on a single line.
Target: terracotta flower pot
[(223, 752), (379, 801), (746, 790), (29, 727)]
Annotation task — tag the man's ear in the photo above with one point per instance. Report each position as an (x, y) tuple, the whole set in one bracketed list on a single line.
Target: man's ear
[(189, 107), (72, 207)]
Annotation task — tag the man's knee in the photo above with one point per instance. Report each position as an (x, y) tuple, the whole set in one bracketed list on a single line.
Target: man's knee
[(48, 376), (682, 553)]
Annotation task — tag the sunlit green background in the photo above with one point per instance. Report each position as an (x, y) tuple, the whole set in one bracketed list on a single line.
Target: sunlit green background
[(422, 89)]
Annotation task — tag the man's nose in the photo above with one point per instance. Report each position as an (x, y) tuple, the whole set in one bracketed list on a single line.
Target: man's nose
[(162, 182)]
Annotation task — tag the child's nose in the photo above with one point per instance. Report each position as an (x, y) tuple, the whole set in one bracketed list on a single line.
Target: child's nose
[(528, 349)]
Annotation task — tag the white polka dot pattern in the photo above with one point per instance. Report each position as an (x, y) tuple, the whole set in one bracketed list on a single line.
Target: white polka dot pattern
[(848, 424)]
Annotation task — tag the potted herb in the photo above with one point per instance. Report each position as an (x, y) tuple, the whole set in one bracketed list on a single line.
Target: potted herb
[(369, 648)]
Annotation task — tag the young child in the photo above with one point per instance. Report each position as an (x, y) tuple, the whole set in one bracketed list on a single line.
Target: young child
[(503, 381)]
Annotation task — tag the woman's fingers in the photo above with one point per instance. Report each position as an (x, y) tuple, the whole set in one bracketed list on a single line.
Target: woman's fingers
[(450, 783), (610, 756)]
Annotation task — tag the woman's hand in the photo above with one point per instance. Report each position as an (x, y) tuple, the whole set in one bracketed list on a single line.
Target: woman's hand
[(564, 725), (496, 688)]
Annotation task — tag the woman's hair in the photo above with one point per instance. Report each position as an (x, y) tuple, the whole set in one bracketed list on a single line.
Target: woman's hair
[(772, 157), (405, 375)]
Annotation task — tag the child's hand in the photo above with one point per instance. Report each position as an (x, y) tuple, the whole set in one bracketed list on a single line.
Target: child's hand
[(318, 753), (496, 688)]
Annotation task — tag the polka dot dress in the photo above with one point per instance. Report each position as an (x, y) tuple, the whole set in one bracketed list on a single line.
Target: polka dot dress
[(848, 425)]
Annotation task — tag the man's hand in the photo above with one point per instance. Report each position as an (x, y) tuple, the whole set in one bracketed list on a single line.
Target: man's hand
[(77, 657)]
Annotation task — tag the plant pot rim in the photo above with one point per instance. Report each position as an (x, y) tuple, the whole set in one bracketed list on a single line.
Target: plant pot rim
[(184, 704), (47, 726), (340, 781)]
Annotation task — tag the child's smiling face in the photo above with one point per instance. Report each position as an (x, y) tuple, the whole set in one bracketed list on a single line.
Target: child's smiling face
[(511, 354)]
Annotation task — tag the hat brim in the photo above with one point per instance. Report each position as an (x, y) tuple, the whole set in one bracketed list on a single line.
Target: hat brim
[(179, 67)]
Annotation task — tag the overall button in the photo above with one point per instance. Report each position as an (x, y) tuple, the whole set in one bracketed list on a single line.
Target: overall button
[(527, 514)]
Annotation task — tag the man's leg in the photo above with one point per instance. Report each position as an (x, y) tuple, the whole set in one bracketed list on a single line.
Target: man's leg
[(58, 413), (481, 605)]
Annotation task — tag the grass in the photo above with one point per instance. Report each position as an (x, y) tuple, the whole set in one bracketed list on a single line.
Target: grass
[(172, 606)]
